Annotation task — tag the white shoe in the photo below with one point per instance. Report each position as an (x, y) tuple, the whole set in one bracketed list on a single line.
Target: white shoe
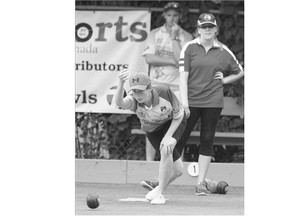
[(152, 194), (158, 200)]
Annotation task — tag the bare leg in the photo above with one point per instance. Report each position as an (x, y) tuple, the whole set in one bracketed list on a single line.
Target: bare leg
[(178, 169), (150, 151), (165, 170), (204, 163), (182, 155)]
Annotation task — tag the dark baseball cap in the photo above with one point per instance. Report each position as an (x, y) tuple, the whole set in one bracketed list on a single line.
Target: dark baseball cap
[(206, 18), (172, 5), (139, 81)]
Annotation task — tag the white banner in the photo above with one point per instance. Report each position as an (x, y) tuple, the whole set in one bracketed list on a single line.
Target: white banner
[(106, 43)]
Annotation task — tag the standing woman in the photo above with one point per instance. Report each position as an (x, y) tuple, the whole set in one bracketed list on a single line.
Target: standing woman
[(205, 66)]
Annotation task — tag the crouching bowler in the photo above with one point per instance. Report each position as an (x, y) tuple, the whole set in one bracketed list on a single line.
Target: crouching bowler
[(163, 120)]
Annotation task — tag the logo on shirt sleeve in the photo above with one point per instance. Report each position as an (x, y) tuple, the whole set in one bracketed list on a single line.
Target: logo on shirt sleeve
[(163, 108), (141, 114)]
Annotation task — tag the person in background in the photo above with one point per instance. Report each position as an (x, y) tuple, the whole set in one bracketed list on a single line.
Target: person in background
[(205, 66), (162, 53), (163, 120)]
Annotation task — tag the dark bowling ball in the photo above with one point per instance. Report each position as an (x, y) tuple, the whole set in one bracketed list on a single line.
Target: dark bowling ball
[(92, 201), (222, 187)]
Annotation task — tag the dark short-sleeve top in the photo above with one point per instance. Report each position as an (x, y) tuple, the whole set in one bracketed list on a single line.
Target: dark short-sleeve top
[(203, 90)]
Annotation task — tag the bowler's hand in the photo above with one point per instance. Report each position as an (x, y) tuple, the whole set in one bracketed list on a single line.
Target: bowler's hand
[(168, 143), (123, 76)]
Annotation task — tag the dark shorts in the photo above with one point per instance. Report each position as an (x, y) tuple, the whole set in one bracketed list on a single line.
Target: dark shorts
[(155, 137)]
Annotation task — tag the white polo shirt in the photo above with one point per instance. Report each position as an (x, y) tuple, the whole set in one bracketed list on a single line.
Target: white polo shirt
[(160, 43)]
